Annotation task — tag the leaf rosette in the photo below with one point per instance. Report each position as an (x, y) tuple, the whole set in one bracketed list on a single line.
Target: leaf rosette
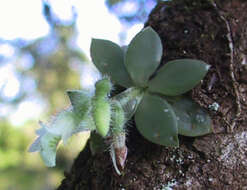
[(157, 120), (155, 97)]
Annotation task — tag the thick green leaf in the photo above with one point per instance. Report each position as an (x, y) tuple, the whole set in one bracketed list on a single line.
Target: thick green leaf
[(192, 119), (156, 121), (178, 76), (143, 56), (80, 101), (108, 57)]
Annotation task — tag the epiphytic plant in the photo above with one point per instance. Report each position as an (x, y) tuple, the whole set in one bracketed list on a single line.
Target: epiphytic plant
[(155, 100)]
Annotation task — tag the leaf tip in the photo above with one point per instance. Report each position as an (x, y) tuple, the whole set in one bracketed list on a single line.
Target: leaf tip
[(208, 67), (35, 146)]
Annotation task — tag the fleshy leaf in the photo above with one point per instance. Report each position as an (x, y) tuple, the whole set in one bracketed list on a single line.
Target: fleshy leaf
[(192, 119), (108, 57), (80, 101), (156, 121), (129, 100), (178, 76), (143, 56)]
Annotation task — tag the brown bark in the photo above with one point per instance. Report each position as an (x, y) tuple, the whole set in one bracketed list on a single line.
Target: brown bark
[(217, 34)]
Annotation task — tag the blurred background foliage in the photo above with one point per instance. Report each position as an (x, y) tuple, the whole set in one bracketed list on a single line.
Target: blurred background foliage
[(34, 76)]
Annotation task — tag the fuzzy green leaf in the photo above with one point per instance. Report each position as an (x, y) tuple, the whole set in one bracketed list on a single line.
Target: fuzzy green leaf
[(102, 115), (63, 126), (129, 100), (117, 117), (46, 144), (108, 57), (192, 119), (36, 146), (80, 101), (48, 150), (178, 76), (67, 123), (143, 56), (156, 121)]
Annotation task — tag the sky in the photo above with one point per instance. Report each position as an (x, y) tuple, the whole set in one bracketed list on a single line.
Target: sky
[(24, 19)]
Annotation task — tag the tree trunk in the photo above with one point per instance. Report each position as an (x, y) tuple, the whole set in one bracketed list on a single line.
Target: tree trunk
[(215, 32)]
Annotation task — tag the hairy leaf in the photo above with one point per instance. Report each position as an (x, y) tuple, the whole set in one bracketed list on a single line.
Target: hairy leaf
[(64, 125), (117, 117), (129, 100), (46, 144), (80, 101), (101, 107), (102, 116), (67, 123), (48, 150)]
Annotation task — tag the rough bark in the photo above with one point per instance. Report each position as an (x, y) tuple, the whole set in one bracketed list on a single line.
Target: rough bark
[(217, 34)]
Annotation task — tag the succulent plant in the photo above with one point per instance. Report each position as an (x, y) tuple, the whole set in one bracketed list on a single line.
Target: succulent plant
[(155, 99)]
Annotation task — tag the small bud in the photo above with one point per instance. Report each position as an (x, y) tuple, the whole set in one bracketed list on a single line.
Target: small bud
[(121, 155)]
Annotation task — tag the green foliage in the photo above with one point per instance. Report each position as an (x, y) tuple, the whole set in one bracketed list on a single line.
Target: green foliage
[(103, 88), (80, 101), (143, 56), (48, 146), (118, 117), (160, 115), (18, 169), (46, 143), (178, 76), (102, 116), (105, 54), (156, 120), (63, 126), (101, 109), (118, 149), (192, 119), (129, 100), (174, 78)]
